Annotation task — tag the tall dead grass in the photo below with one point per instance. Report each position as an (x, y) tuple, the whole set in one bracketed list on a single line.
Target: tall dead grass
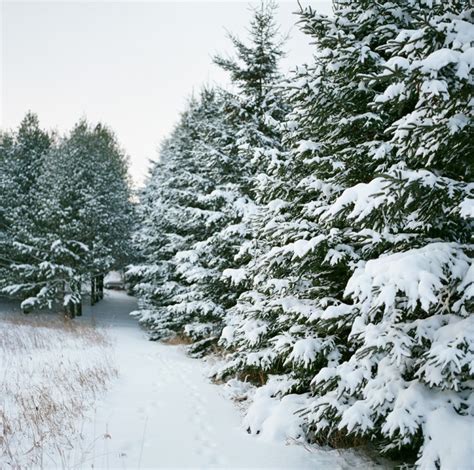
[(51, 371)]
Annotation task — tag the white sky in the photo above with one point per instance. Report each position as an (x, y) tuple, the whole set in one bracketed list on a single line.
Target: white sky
[(128, 64)]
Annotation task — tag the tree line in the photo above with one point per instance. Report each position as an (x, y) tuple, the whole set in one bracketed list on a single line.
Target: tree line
[(316, 228), (65, 214)]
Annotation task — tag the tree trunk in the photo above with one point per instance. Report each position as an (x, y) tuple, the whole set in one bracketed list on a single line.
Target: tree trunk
[(93, 290), (70, 309), (78, 305), (100, 285)]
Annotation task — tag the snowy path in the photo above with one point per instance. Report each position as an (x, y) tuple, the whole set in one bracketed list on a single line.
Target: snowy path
[(163, 411)]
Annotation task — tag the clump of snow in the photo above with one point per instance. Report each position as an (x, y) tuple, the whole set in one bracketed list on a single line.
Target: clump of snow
[(363, 197), (418, 273), (395, 90), (298, 248), (307, 145), (237, 390), (273, 417), (198, 330), (227, 335), (442, 428), (467, 208), (236, 276), (305, 351)]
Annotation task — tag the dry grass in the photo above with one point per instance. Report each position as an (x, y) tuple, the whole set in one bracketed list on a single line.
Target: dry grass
[(51, 371), (177, 340), (339, 439), (253, 376), (36, 333)]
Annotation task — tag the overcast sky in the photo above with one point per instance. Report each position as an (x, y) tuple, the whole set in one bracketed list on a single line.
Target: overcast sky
[(128, 64)]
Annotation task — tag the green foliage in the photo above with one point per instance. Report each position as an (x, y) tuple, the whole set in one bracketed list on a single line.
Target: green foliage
[(197, 206), (67, 211), (346, 274)]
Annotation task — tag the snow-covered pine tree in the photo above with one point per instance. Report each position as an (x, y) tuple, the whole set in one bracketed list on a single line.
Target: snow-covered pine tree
[(279, 328), (103, 189), (180, 209), (22, 160), (408, 380), (201, 265), (81, 216), (254, 109), (250, 142), (6, 143), (160, 234), (234, 134)]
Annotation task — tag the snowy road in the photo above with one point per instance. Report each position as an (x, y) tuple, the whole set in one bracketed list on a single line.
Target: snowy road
[(163, 411)]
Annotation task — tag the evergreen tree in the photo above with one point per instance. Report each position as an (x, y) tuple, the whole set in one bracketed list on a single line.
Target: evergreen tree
[(76, 217), (181, 208), (228, 138), (407, 379), (368, 271), (256, 107), (301, 269), (23, 154), (256, 111), (324, 232), (6, 142)]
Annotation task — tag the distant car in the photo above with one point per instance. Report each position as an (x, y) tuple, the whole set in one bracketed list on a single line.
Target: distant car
[(114, 280)]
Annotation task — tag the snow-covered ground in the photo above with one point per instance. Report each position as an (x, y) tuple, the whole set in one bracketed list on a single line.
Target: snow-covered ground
[(162, 411), (48, 385)]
